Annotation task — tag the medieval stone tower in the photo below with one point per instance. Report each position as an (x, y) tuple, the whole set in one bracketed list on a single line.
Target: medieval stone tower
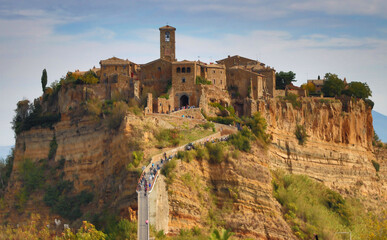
[(167, 43)]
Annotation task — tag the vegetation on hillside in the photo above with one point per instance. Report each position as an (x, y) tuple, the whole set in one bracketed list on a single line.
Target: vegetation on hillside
[(311, 208), (29, 115), (202, 80)]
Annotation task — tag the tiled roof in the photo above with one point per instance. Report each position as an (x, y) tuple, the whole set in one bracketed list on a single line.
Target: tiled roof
[(115, 61), (167, 27)]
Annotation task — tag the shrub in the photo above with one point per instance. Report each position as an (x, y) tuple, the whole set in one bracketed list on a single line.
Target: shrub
[(138, 156), (207, 125), (309, 206), (94, 107), (301, 135), (117, 115), (202, 80), (240, 142), (376, 165), (202, 153), (215, 152), (258, 126), (124, 229), (293, 99), (186, 156), (31, 175), (167, 170), (86, 231), (168, 137), (53, 148)]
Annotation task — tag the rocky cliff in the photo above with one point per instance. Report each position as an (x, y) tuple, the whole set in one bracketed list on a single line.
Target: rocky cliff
[(338, 150), (236, 194)]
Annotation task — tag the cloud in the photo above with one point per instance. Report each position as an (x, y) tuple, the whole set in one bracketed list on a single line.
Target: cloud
[(30, 42)]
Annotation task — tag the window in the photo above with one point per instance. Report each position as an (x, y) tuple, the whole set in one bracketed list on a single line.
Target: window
[(213, 71), (214, 81), (183, 80), (124, 67), (104, 74), (116, 68), (178, 69), (167, 36), (159, 68), (183, 70), (188, 69)]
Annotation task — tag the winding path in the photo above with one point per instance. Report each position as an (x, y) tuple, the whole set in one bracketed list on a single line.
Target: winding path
[(150, 175)]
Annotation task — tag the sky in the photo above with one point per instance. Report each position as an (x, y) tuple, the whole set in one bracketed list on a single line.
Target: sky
[(310, 38)]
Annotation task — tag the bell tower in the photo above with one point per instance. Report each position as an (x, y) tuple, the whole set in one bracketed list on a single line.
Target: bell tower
[(167, 43)]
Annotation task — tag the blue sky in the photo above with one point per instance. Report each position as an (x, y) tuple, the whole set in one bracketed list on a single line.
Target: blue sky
[(347, 37)]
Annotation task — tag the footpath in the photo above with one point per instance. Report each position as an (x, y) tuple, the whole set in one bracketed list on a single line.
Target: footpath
[(149, 176)]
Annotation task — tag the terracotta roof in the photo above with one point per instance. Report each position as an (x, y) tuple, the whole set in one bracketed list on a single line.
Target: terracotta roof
[(236, 56), (157, 60), (242, 68), (167, 27), (184, 61), (115, 61)]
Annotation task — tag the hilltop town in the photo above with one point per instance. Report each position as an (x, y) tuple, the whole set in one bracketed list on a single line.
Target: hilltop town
[(173, 84), (189, 147)]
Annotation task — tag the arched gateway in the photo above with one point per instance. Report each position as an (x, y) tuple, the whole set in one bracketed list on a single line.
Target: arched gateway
[(184, 100)]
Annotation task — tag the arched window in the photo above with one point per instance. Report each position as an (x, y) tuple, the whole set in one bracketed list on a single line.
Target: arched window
[(178, 69), (167, 36), (183, 70), (183, 80), (188, 69)]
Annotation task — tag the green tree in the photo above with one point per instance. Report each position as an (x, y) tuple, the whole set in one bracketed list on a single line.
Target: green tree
[(309, 87), (358, 89), (222, 235), (333, 85), (44, 79), (284, 78)]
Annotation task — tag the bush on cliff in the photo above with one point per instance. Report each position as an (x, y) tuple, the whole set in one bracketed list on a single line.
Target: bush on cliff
[(31, 115), (116, 115), (312, 208), (301, 134)]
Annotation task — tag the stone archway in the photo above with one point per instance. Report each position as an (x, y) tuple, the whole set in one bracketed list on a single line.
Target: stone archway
[(184, 101)]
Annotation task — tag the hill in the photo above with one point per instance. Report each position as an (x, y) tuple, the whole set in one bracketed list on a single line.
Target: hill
[(380, 125)]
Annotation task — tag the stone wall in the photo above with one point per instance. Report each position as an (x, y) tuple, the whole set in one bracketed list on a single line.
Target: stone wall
[(184, 82), (269, 79), (247, 83), (156, 75), (158, 205)]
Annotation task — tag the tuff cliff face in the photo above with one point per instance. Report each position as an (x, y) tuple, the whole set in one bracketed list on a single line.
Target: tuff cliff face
[(236, 193), (95, 160), (338, 151)]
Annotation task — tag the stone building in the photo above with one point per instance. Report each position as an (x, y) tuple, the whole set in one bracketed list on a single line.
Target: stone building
[(157, 75), (243, 83), (318, 83), (267, 73), (167, 43), (114, 69), (170, 84)]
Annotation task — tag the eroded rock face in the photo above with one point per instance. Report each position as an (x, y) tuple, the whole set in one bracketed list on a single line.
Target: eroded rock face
[(95, 159), (338, 151), (237, 193)]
